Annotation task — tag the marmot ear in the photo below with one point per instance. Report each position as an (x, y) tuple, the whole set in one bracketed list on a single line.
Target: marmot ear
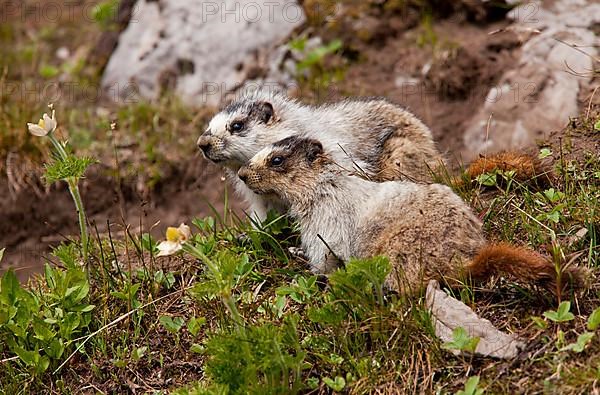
[(263, 111), (314, 149)]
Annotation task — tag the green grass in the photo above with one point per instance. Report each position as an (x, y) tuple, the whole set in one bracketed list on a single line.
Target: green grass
[(166, 323)]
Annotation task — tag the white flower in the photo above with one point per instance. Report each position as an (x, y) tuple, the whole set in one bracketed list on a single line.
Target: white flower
[(44, 126), (175, 239)]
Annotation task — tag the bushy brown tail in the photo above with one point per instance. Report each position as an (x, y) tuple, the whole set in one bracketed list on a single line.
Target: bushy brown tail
[(527, 168), (525, 265)]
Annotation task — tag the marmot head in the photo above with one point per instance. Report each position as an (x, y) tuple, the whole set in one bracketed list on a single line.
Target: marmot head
[(241, 129), (290, 168)]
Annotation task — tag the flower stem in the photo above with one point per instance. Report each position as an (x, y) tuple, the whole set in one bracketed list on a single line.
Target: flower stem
[(58, 146), (74, 189), (73, 184)]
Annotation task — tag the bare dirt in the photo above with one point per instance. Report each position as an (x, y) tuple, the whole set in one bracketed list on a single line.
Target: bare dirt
[(31, 223)]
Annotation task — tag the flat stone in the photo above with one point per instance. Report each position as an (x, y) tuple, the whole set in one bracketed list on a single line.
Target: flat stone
[(449, 313)]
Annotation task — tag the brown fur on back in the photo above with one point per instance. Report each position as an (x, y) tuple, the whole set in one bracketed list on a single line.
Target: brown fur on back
[(431, 234), (409, 153)]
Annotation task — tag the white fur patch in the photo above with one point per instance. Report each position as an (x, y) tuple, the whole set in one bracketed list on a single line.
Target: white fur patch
[(218, 125), (261, 157)]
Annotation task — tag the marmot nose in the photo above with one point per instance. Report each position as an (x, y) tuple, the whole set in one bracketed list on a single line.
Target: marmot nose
[(204, 146)]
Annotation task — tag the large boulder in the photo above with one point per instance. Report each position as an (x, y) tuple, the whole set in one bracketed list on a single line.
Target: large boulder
[(197, 48), (541, 92)]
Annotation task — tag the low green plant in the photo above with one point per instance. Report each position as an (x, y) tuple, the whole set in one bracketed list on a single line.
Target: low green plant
[(39, 326), (594, 320), (461, 341), (302, 291), (312, 68), (561, 314), (105, 13), (264, 359), (337, 384), (582, 341), (172, 324)]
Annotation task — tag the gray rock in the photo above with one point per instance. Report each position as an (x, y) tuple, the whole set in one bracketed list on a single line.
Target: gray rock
[(198, 48), (449, 313), (540, 93)]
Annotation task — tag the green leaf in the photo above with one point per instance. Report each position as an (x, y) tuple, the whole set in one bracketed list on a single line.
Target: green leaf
[(594, 320), (56, 348), (42, 364), (597, 126), (7, 313), (148, 243), (197, 348), (244, 266), (471, 387), (41, 330), (105, 13), (48, 71), (173, 325), (84, 308), (487, 179), (70, 290), (312, 382), (119, 295), (544, 153), (336, 359), (119, 363), (317, 55), (579, 345), (562, 314), (553, 195), (539, 322), (337, 384), (82, 291), (65, 168), (28, 357), (50, 278), (69, 324), (553, 216), (9, 287), (167, 279), (17, 330), (298, 43), (194, 325), (461, 341), (67, 254), (138, 353)]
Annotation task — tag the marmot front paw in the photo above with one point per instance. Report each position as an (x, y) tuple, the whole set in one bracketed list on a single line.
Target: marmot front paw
[(298, 253)]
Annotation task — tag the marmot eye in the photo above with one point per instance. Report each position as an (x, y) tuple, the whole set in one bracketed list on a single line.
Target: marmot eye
[(237, 126), (277, 161)]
